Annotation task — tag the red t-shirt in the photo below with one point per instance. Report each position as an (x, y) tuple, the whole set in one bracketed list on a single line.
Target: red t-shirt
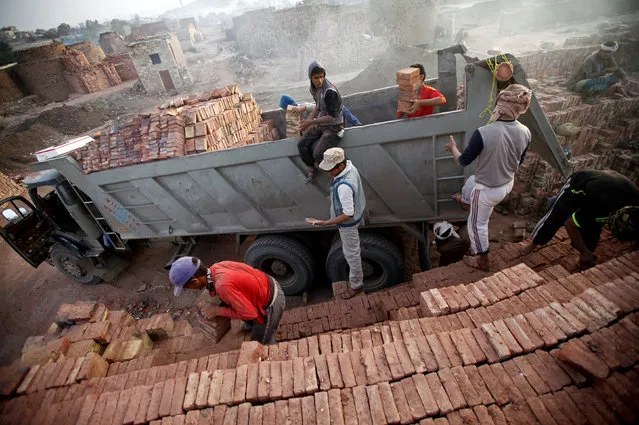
[(245, 289), (428, 92)]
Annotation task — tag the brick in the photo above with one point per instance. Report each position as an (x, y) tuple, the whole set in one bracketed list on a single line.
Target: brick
[(560, 412), (392, 359), (230, 416), (604, 391), (401, 403), (594, 298), (496, 341), (404, 358), (525, 335), (413, 398), (497, 415), (550, 340), (439, 300), (358, 368), (140, 416), (481, 412), (368, 360), (439, 393), (577, 355), (449, 348), (519, 413), (348, 407), (264, 377), (299, 382), (93, 366), (497, 389), (335, 374), (218, 414), (518, 379), (153, 411), (311, 376), (451, 300), (252, 379), (514, 394), (322, 412), (605, 351), (276, 381), (508, 338), (425, 394), (488, 294), (539, 410), (479, 385), (228, 384), (243, 411), (295, 410), (191, 391), (427, 354), (334, 408), (382, 364), (478, 294), (462, 347), (250, 352), (465, 386), (87, 409), (203, 389), (485, 345), (308, 411), (313, 347), (582, 399), (611, 291), (452, 388), (239, 389)]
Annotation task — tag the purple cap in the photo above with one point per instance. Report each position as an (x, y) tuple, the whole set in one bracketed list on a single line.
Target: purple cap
[(182, 270)]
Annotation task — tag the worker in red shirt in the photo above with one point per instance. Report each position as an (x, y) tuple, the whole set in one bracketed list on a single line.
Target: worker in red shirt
[(246, 293), (428, 98)]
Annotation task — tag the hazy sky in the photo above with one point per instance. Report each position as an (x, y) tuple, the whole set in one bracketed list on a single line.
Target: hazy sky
[(32, 14)]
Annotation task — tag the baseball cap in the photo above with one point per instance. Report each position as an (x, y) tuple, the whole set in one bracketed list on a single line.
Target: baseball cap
[(443, 230), (182, 270), (332, 157)]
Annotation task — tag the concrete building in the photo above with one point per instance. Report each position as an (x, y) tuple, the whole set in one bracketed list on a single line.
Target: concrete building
[(112, 43), (160, 64)]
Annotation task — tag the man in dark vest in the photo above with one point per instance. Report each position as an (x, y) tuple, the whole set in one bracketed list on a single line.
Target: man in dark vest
[(323, 128)]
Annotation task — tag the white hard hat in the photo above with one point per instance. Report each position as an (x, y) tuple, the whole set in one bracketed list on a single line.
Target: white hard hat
[(443, 230)]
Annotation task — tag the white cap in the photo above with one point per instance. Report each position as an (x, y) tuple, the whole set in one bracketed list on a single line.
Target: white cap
[(609, 46), (332, 157), (441, 228)]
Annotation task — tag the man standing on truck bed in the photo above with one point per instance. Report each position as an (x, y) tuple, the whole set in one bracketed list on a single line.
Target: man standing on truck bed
[(587, 201), (348, 203), (427, 98), (247, 293), (499, 147), (323, 128)]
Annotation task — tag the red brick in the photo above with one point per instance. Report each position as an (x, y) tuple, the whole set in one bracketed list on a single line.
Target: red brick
[(514, 394), (522, 338), (392, 359), (335, 408), (382, 364), (239, 389), (439, 393), (584, 400), (218, 414), (348, 405), (140, 416), (308, 411), (485, 345), (550, 340), (335, 374), (439, 300), (478, 384), (478, 294), (462, 347), (497, 415), (519, 413), (230, 416), (281, 413), (313, 347), (497, 389), (413, 398), (401, 403), (310, 376), (299, 382), (87, 409), (387, 402), (404, 358), (322, 413), (625, 412), (368, 360), (518, 379), (577, 355), (191, 391), (481, 412), (358, 368), (425, 394), (450, 299), (295, 410), (264, 377), (496, 341), (452, 388), (488, 294), (153, 411), (252, 379), (451, 352), (465, 386), (242, 414), (427, 354)]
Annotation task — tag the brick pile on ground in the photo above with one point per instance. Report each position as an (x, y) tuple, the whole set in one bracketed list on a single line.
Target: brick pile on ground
[(82, 77), (218, 119), (557, 347), (8, 187)]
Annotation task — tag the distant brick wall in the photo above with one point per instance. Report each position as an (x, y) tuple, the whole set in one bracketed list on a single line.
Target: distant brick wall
[(8, 187), (93, 53), (123, 66), (9, 90), (44, 78)]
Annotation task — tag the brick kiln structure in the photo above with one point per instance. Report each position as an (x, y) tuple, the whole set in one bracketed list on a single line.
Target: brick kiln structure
[(123, 65), (54, 71), (160, 63), (112, 43), (533, 343), (8, 187)]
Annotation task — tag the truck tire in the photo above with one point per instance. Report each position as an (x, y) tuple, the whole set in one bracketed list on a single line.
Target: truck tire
[(382, 261), (284, 258), (73, 266)]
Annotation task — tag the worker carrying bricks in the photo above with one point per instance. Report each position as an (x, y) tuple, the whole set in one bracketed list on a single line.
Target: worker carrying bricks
[(599, 75), (425, 99), (348, 203), (323, 128), (499, 148), (587, 201), (246, 293)]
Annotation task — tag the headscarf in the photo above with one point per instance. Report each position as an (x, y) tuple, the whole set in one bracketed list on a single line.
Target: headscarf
[(609, 46), (314, 65), (286, 101), (511, 102), (624, 223)]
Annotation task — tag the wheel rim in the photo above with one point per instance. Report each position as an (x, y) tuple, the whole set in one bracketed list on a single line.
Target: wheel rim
[(374, 274), (280, 270), (72, 268)]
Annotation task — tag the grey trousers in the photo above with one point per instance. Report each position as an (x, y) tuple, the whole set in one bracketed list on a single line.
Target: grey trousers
[(266, 332), (353, 254)]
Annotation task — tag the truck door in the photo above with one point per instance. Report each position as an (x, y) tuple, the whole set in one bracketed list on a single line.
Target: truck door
[(25, 229)]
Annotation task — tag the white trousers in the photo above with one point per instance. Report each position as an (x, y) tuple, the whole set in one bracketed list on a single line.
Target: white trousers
[(482, 200), (353, 254)]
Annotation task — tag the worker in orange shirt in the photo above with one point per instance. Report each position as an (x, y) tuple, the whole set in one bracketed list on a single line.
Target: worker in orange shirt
[(429, 97), (246, 293)]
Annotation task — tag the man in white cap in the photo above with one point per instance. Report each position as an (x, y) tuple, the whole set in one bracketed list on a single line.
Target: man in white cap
[(598, 74), (452, 245), (246, 293), (499, 148), (348, 203)]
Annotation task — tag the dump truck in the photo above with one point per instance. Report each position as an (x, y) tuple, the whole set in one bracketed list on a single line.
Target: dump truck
[(83, 223)]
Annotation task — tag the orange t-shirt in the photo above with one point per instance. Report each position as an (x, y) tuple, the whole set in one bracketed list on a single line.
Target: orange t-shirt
[(428, 92)]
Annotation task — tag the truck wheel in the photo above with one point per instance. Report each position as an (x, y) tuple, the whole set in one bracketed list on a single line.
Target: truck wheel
[(73, 266), (284, 258), (382, 261)]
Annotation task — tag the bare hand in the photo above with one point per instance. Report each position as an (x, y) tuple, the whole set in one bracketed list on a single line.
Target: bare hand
[(210, 311), (451, 144), (414, 107), (313, 221), (305, 124)]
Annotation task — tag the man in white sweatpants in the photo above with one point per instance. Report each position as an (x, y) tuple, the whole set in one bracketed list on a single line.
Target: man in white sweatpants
[(348, 203), (499, 147)]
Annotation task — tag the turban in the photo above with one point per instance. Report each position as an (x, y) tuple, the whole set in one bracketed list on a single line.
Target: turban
[(511, 102)]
